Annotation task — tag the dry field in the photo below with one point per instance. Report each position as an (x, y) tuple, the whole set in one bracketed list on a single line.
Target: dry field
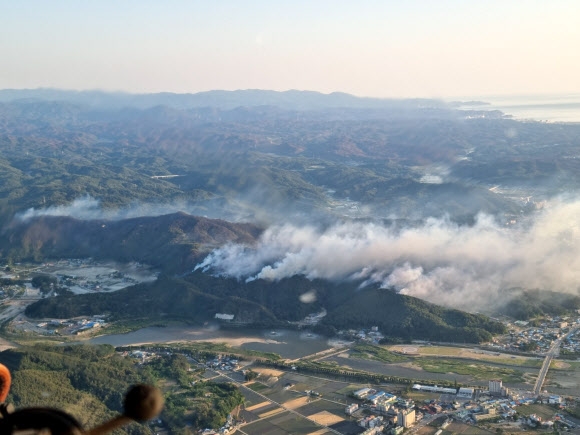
[(296, 403), (269, 372), (258, 406), (467, 353), (271, 413), (326, 418)]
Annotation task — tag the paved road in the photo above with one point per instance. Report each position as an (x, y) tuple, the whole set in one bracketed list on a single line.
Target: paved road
[(322, 354), (553, 352)]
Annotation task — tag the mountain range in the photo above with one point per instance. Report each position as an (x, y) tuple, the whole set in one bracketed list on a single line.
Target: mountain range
[(165, 179)]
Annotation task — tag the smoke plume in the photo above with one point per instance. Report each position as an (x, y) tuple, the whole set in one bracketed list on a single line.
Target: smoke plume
[(88, 208), (465, 266)]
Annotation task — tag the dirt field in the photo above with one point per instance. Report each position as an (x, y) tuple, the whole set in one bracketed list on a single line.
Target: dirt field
[(5, 344), (296, 403), (466, 429), (258, 406), (271, 413), (326, 418), (269, 372), (458, 352), (564, 381)]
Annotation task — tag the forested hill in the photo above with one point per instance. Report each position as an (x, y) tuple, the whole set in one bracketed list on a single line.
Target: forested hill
[(266, 303), (172, 242), (414, 159), (88, 382)]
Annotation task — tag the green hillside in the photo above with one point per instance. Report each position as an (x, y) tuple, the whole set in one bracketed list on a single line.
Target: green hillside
[(89, 382), (199, 297), (167, 242)]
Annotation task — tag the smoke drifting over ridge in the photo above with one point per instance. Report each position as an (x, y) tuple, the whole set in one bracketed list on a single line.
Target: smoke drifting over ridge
[(87, 208), (464, 266), (461, 266), (245, 207)]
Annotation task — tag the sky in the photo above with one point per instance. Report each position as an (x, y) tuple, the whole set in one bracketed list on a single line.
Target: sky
[(384, 48)]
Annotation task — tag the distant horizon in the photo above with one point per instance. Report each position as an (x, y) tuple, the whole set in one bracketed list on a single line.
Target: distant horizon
[(414, 49), (449, 98)]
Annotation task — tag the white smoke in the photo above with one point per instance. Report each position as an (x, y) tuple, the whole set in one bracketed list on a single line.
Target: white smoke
[(465, 266), (244, 207), (81, 208), (88, 207)]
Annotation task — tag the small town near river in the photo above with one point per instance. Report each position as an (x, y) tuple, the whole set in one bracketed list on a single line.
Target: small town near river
[(524, 381)]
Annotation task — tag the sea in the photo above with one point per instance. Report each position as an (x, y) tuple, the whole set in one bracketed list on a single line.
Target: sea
[(543, 108)]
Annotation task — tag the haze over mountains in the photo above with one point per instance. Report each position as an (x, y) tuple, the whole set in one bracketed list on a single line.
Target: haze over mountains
[(224, 100), (419, 196)]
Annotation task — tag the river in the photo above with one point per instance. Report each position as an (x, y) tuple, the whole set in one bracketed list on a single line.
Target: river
[(287, 343)]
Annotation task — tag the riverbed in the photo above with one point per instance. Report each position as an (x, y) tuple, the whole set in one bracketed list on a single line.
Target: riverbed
[(287, 343)]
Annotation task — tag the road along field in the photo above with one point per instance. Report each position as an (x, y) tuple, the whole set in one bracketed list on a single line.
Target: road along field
[(310, 412), (468, 366)]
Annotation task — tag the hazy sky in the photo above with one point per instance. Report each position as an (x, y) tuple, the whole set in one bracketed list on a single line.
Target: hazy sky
[(378, 48)]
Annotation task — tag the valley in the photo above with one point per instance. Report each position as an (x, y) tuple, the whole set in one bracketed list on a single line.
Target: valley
[(327, 249)]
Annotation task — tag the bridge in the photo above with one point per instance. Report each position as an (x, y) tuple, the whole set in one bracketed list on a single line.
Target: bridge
[(552, 352)]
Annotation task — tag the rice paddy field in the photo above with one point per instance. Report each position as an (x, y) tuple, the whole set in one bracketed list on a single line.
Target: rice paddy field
[(277, 402), (275, 410)]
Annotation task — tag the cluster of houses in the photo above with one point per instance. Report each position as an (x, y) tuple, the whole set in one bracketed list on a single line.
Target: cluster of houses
[(72, 327), (141, 355), (461, 393), (224, 363), (539, 338), (467, 404), (387, 411), (313, 318), (229, 427), (495, 407), (8, 290), (572, 343), (371, 335)]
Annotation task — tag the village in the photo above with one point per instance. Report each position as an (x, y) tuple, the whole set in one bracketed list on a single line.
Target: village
[(285, 398), (524, 337), (291, 401), (295, 401)]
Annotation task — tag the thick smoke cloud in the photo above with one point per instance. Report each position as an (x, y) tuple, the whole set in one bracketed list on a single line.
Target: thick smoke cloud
[(456, 265)]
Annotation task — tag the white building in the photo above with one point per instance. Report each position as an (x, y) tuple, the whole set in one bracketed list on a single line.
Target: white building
[(351, 408), (364, 392), (406, 418), (465, 393), (495, 386), (434, 389)]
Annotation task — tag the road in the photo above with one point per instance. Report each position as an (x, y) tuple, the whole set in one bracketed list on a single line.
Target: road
[(322, 354), (552, 352)]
